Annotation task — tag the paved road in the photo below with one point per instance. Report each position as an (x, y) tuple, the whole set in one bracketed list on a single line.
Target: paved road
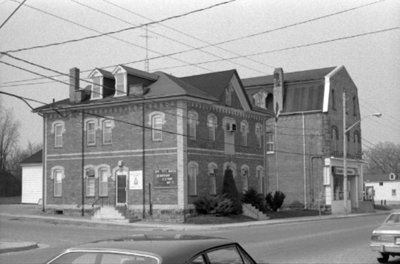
[(330, 241)]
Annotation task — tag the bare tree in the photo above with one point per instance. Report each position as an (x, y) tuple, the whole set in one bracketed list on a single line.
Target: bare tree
[(9, 136), (384, 157)]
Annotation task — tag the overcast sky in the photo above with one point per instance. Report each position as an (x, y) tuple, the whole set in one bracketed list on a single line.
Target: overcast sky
[(252, 36)]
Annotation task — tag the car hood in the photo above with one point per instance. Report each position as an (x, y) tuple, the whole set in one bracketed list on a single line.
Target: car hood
[(388, 229)]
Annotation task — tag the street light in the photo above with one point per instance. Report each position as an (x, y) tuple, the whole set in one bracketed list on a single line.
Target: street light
[(345, 130)]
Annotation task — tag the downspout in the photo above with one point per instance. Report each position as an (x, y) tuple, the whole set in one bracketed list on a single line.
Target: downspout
[(83, 163), (304, 162), (44, 167)]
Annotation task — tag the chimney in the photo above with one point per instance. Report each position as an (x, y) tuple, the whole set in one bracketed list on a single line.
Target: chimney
[(75, 95), (278, 89)]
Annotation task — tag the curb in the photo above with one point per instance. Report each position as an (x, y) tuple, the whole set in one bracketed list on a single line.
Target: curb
[(6, 247), (186, 227)]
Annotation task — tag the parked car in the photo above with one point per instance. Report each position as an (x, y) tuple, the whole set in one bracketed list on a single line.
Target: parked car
[(386, 238), (156, 249)]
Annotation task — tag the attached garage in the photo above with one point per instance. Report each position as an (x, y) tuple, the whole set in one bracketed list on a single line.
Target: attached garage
[(32, 179)]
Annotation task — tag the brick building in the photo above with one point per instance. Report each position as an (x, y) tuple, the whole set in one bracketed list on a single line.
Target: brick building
[(150, 141), (305, 141)]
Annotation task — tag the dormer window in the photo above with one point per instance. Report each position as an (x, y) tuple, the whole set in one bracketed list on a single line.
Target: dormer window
[(96, 88), (120, 84)]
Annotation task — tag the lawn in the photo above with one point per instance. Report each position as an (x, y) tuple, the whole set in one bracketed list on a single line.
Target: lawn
[(212, 219)]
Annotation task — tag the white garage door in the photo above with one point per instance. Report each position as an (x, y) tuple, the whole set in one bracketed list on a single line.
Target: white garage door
[(32, 184)]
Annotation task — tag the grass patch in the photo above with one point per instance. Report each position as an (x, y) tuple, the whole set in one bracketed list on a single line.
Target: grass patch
[(212, 219), (293, 213)]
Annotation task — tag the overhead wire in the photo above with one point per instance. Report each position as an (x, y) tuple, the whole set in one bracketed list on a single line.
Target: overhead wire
[(166, 37), (15, 10), (120, 30), (255, 34)]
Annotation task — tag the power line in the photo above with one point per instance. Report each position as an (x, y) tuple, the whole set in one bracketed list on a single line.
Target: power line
[(164, 36), (8, 18), (120, 30), (219, 43)]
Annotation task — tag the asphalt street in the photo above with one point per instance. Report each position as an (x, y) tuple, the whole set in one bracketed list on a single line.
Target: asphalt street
[(342, 240)]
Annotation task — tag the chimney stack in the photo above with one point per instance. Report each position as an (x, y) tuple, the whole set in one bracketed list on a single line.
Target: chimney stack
[(75, 95), (278, 89)]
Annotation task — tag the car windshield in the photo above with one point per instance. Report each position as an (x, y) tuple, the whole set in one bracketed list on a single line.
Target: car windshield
[(393, 219), (103, 258)]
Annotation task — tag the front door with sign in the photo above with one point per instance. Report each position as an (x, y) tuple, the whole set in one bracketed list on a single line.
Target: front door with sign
[(121, 189)]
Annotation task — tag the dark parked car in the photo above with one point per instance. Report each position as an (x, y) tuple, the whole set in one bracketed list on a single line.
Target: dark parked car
[(386, 238), (156, 249)]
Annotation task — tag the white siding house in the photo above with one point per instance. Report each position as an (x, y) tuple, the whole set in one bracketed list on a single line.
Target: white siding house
[(384, 188), (32, 179)]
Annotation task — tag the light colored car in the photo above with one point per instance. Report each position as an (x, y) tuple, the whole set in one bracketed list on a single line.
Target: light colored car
[(156, 249), (385, 239)]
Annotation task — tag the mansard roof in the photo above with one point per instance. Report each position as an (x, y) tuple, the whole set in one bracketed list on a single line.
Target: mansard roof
[(307, 75), (209, 87)]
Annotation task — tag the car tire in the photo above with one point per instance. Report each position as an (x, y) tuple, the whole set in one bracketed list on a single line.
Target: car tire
[(384, 258)]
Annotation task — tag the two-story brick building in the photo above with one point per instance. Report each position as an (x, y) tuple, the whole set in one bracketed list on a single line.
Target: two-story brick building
[(305, 140), (150, 141)]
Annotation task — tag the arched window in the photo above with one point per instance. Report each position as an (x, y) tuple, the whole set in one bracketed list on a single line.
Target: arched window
[(90, 178), (157, 120), (57, 175), (231, 166), (91, 125), (260, 178), (333, 100), (258, 131), (269, 101), (58, 129), (212, 125), (228, 96), (354, 106), (193, 171), (107, 127), (212, 173), (244, 129), (103, 174), (245, 178), (193, 122)]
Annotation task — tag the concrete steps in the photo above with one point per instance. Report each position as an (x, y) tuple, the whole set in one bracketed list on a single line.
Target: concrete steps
[(109, 214), (252, 212)]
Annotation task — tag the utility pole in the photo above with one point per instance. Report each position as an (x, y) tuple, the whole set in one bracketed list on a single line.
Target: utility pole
[(146, 61)]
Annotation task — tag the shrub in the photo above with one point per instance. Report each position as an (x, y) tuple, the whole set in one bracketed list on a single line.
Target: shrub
[(275, 201), (203, 205), (230, 191), (224, 207), (254, 198)]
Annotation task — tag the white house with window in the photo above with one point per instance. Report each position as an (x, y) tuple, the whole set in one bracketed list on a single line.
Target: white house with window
[(383, 189)]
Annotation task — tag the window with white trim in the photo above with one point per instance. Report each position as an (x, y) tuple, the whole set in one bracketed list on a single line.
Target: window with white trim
[(244, 129), (193, 122), (193, 170), (156, 126), (90, 182), (104, 173), (58, 135), (57, 175), (96, 88), (212, 173), (212, 125), (91, 133), (269, 144), (107, 131), (120, 89)]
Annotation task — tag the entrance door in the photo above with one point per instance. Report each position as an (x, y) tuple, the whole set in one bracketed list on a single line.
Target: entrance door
[(121, 189)]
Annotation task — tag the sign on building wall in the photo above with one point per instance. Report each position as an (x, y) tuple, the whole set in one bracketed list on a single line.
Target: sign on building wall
[(340, 170), (135, 180), (165, 178)]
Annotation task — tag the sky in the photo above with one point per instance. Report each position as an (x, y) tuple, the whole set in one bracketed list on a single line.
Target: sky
[(194, 37)]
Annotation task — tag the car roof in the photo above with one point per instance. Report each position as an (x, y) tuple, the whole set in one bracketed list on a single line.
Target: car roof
[(172, 249)]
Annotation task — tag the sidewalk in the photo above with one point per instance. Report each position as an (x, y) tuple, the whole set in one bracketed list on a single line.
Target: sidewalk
[(33, 212)]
